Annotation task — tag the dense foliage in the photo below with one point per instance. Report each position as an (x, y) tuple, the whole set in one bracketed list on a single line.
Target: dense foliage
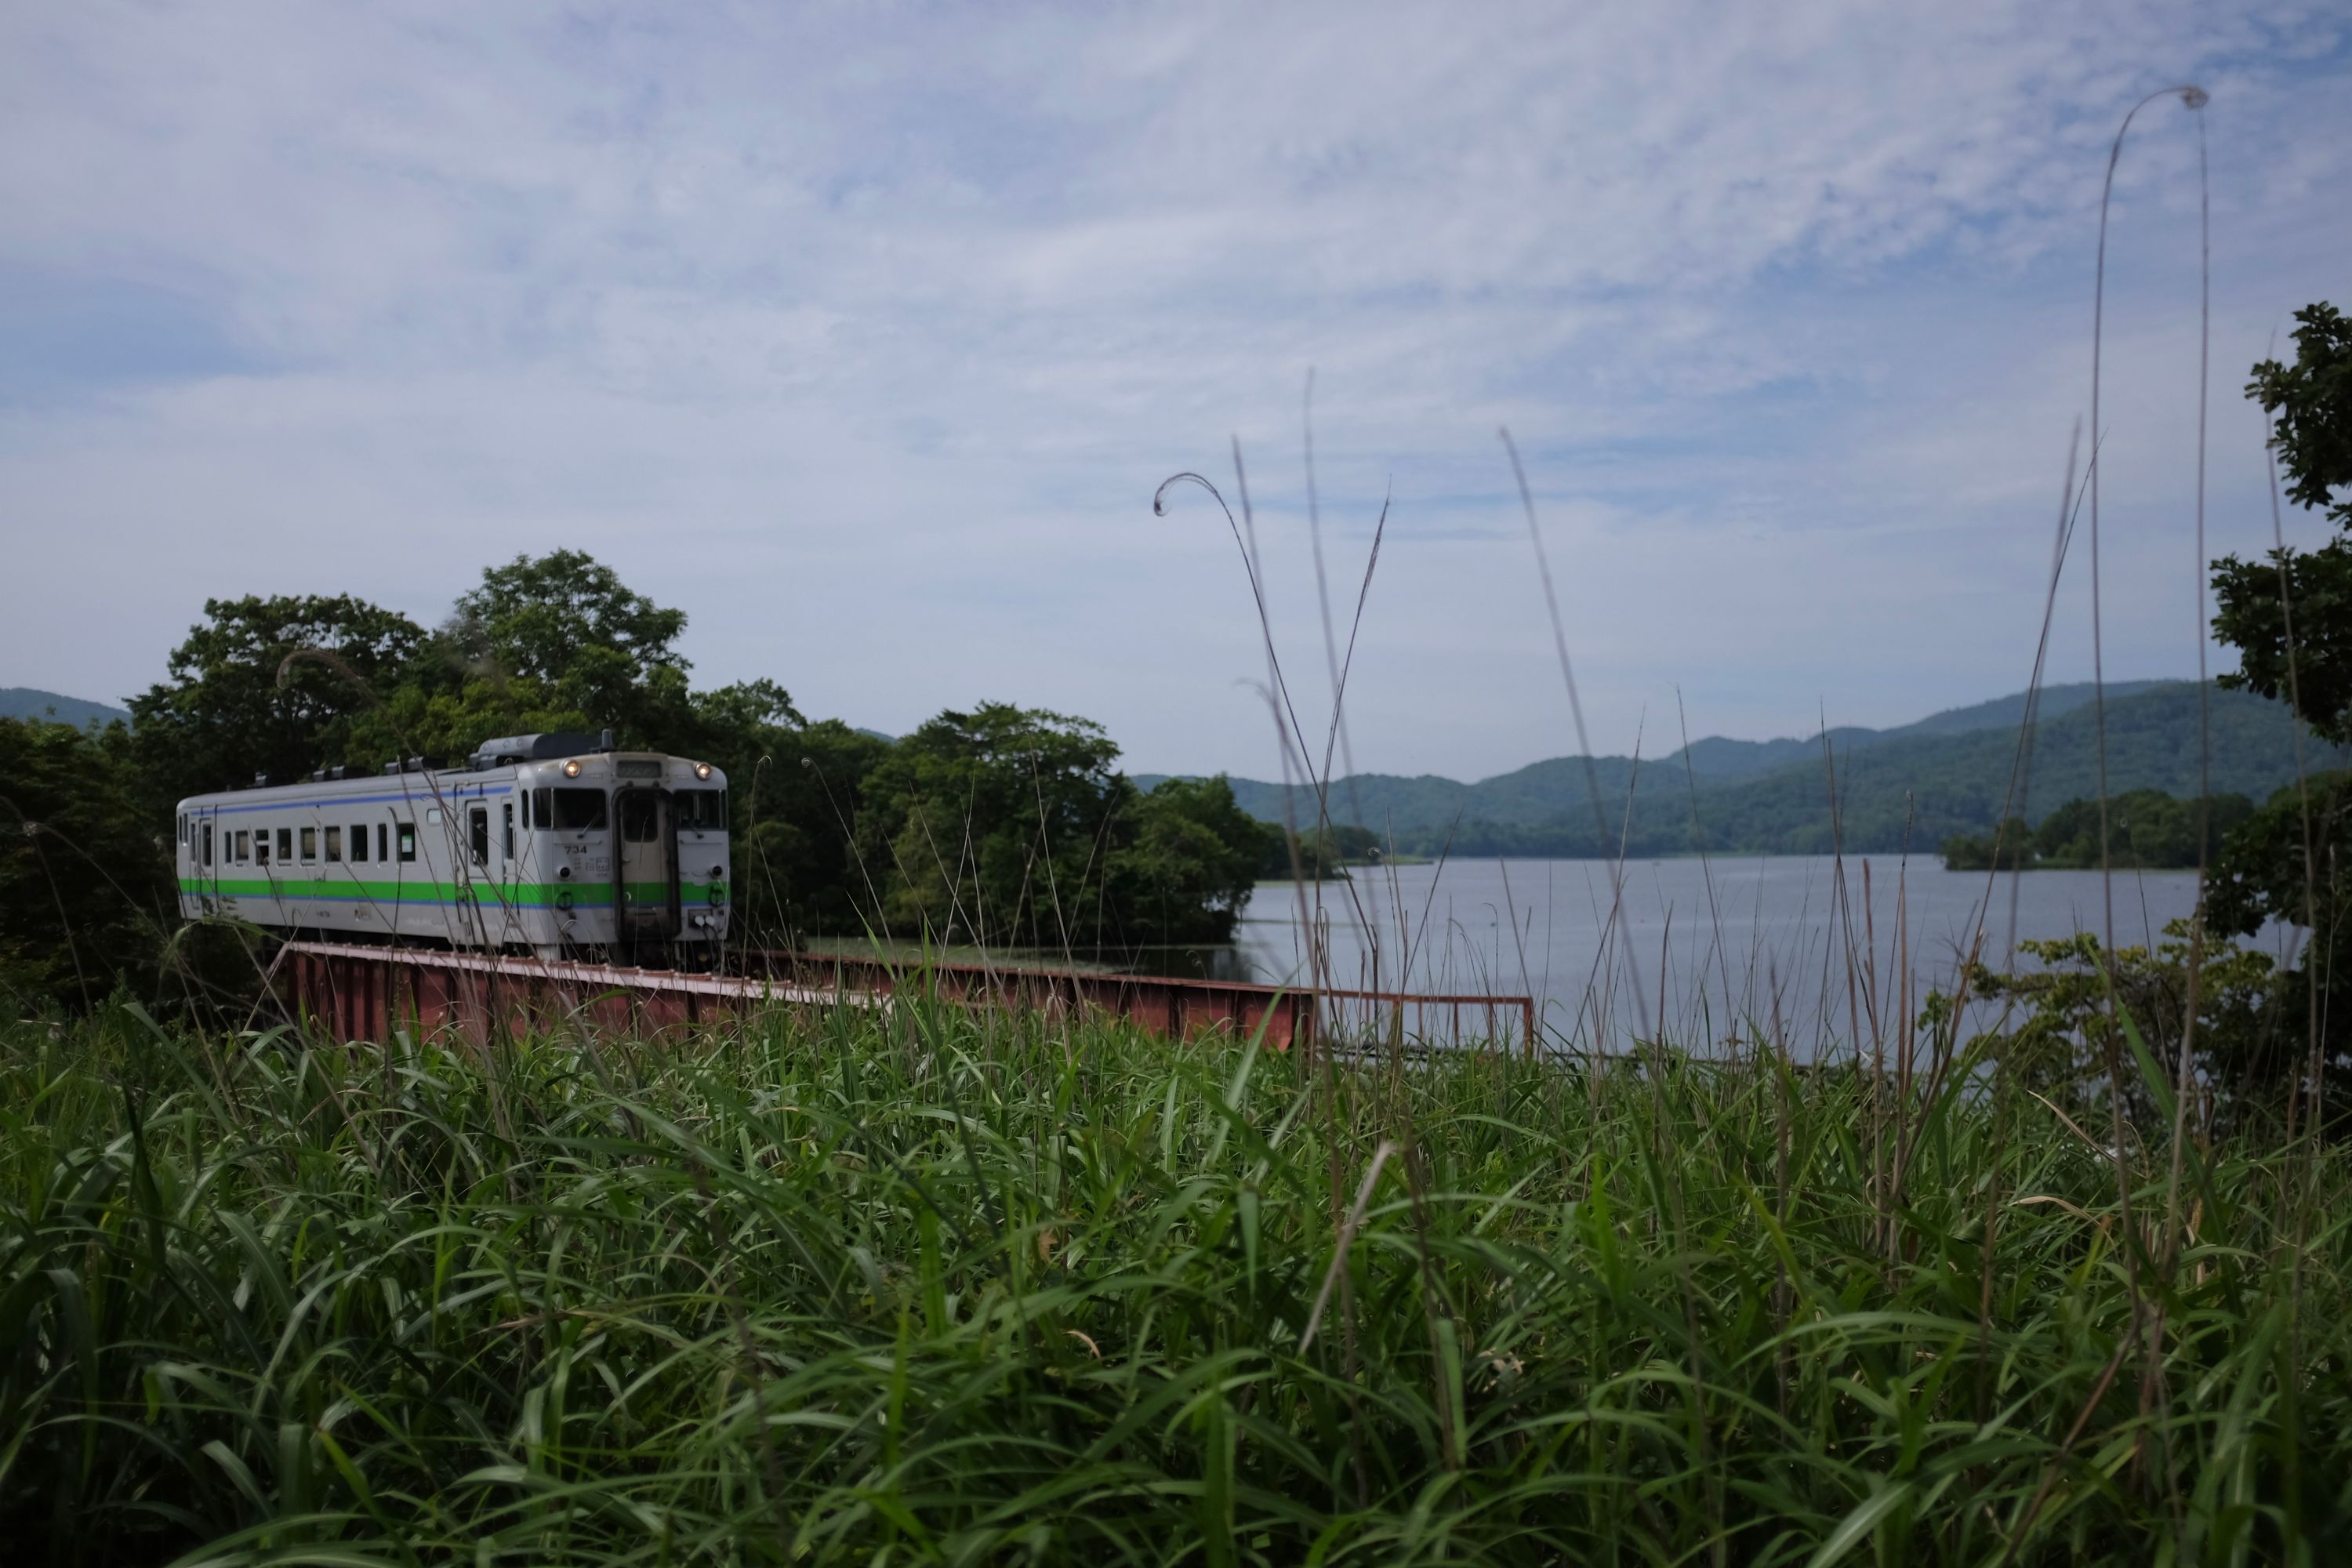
[(2309, 662), (2145, 828), (2062, 1029), (2290, 618), (1007, 824), (923, 1286), (86, 897), (2286, 864), (1318, 852), (233, 709), (1004, 826)]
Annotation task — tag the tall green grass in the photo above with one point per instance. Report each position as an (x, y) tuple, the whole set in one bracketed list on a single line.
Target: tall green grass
[(926, 1286)]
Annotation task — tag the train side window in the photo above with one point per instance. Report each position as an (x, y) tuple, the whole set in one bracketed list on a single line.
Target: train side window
[(208, 843), (477, 833), (284, 844), (334, 843), (524, 795), (406, 832), (507, 813), (244, 848), (262, 847), (380, 853), (358, 841), (184, 828), (309, 844)]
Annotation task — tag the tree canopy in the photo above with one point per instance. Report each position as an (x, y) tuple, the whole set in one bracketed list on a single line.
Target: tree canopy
[(2146, 828), (1006, 825), (2307, 593), (232, 706), (2289, 615), (567, 624)]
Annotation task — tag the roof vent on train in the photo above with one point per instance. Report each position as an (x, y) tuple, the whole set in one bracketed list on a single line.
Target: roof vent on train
[(540, 748)]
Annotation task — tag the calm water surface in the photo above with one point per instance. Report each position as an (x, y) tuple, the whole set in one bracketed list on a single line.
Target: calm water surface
[(1699, 945)]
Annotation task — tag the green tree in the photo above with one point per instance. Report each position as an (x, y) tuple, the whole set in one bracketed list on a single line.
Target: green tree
[(592, 644), (1317, 853), (1012, 826), (558, 642), (224, 714), (2310, 405), (2060, 1045), (2265, 877), (1187, 860), (431, 714), (993, 826), (86, 892), (2008, 847), (2280, 865), (797, 789), (2145, 828)]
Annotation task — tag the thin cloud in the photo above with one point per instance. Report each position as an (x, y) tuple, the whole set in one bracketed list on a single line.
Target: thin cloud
[(863, 337)]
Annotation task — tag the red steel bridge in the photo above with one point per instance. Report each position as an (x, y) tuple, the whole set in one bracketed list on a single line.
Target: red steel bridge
[(367, 993)]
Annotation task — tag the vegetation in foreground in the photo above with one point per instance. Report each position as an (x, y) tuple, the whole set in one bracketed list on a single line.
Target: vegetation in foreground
[(925, 1286)]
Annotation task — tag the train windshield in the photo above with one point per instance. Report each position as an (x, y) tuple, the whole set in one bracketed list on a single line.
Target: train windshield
[(577, 809), (702, 811)]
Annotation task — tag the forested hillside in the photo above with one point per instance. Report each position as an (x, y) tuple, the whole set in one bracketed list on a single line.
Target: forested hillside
[(1921, 784), (31, 702)]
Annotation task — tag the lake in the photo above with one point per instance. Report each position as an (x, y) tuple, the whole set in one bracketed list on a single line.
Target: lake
[(1699, 944)]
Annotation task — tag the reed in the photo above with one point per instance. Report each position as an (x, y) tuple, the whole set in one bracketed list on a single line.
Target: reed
[(927, 1285)]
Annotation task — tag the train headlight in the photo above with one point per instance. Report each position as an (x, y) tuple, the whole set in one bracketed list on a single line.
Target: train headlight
[(702, 770), (571, 768)]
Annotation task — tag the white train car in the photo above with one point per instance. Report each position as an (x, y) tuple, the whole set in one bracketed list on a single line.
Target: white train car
[(550, 844)]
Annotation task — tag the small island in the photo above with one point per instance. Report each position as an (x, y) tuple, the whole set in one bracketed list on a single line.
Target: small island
[(2147, 829)]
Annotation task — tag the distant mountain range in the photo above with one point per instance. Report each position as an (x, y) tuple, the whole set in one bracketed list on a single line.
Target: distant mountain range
[(27, 702), (1916, 784)]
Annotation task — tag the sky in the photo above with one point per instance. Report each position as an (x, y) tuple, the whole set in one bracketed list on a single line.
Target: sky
[(866, 335)]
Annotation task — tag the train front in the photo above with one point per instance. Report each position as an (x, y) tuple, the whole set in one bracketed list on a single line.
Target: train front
[(632, 855)]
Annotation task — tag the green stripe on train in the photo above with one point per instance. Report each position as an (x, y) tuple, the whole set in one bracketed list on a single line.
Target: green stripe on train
[(585, 895)]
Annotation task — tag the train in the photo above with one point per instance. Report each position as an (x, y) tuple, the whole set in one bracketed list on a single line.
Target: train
[(557, 845)]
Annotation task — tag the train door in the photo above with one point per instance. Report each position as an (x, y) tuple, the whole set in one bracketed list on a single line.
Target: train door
[(477, 886), (648, 869), (201, 848), (490, 868)]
